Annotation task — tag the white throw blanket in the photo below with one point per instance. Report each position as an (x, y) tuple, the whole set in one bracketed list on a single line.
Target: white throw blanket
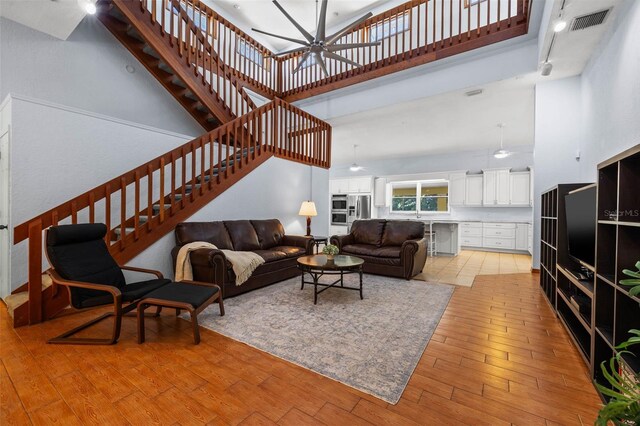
[(243, 262)]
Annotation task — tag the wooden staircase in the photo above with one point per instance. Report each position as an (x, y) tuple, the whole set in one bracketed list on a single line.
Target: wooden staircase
[(183, 56), (144, 204)]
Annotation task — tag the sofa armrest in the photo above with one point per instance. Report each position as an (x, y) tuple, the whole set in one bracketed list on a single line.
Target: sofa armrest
[(306, 242), (413, 255), (341, 240), (208, 265)]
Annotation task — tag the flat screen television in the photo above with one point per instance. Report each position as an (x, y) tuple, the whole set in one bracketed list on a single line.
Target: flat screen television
[(580, 207)]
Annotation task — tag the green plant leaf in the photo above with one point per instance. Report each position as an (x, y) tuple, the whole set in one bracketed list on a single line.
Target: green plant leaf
[(630, 273)]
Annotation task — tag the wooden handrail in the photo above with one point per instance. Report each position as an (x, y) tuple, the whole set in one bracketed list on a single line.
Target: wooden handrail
[(179, 182), (413, 33)]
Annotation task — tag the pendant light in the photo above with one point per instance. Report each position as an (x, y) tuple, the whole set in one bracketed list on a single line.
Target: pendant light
[(501, 153), (355, 167)]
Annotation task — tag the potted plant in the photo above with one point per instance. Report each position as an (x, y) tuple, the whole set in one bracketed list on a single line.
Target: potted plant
[(330, 251), (623, 407)]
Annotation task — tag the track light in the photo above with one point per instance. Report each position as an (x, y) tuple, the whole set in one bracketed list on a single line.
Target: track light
[(89, 6), (559, 26)]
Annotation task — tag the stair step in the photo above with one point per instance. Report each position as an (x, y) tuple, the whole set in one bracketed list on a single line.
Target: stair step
[(189, 187), (131, 32), (166, 68), (149, 51), (14, 301), (118, 231)]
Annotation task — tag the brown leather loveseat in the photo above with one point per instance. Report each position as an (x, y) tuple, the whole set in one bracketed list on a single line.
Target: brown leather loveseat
[(263, 237), (389, 247)]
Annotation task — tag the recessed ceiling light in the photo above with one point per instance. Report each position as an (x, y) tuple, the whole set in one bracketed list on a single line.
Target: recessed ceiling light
[(130, 69), (236, 6), (559, 26)]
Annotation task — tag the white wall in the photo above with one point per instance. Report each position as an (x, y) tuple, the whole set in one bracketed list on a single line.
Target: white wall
[(71, 151), (274, 190), (87, 71), (557, 135), (597, 112), (610, 88)]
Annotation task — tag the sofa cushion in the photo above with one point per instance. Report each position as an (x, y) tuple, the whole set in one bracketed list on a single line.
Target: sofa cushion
[(383, 261), (371, 250), (291, 251), (211, 232), (367, 231), (270, 232), (270, 255), (397, 232), (243, 236)]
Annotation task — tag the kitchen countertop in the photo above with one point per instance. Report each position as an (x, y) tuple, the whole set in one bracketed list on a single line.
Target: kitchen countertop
[(453, 221)]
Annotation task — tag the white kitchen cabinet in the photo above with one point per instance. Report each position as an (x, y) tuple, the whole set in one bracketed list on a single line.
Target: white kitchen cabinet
[(457, 188), (520, 187), (360, 185), (503, 184), (337, 230), (380, 192), (495, 187), (473, 190), (530, 239), (522, 236), (339, 186)]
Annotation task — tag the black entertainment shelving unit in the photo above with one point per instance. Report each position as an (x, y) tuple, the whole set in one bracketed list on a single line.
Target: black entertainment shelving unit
[(597, 327), (553, 248), (617, 248)]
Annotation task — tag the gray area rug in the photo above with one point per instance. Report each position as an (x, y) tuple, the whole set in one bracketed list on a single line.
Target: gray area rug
[(372, 345)]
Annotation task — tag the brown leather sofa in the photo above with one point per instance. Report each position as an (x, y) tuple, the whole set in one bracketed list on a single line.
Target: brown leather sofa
[(395, 248), (263, 237)]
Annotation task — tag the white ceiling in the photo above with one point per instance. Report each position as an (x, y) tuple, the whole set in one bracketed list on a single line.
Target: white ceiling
[(264, 15), (57, 18), (572, 50), (439, 124)]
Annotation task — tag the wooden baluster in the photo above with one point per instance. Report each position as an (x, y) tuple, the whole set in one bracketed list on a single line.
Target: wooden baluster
[(450, 22), (498, 26), (123, 212), (219, 156), (34, 287), (172, 29), (202, 165), (107, 213), (136, 209), (92, 207), (184, 177), (180, 36), (459, 20), (441, 23), (478, 15), (193, 171), (162, 196), (469, 22), (509, 11), (74, 212), (488, 16), (150, 198), (172, 197), (153, 11), (211, 159), (434, 25)]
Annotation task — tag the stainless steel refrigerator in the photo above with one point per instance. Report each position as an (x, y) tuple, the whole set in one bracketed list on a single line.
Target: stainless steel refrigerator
[(358, 207)]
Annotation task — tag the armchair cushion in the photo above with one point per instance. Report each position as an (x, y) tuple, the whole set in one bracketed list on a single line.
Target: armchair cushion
[(270, 232), (130, 293), (243, 236), (195, 295), (368, 231), (397, 232)]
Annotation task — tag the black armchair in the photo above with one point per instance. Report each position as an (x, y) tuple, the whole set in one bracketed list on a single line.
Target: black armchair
[(81, 262)]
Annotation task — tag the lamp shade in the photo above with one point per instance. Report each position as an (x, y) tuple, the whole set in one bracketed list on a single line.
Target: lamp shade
[(308, 208)]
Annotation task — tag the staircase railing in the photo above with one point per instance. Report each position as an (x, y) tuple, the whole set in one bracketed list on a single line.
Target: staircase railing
[(214, 45), (143, 204)]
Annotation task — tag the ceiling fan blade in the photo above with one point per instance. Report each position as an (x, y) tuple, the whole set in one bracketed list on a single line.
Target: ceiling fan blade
[(332, 55), (282, 37), (334, 37), (322, 21), (302, 61), (337, 47), (286, 52), (320, 62), (304, 32)]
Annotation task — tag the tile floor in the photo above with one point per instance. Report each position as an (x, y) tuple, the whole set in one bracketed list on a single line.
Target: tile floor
[(462, 269)]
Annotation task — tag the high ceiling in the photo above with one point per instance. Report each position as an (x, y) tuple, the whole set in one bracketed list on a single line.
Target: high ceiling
[(439, 124), (264, 15)]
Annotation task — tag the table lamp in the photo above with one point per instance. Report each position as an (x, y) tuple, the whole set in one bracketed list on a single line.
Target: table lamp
[(308, 209)]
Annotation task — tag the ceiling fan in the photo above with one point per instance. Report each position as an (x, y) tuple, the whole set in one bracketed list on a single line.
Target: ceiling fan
[(321, 46)]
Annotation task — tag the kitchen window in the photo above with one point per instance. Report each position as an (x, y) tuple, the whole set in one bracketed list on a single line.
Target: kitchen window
[(428, 196)]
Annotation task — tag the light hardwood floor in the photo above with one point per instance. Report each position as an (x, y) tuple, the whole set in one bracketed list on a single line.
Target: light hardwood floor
[(462, 269), (498, 357)]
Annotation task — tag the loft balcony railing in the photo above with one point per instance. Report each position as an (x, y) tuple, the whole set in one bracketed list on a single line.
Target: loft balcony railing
[(410, 34)]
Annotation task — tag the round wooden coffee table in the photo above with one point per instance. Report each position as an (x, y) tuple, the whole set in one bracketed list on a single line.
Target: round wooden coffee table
[(319, 265)]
